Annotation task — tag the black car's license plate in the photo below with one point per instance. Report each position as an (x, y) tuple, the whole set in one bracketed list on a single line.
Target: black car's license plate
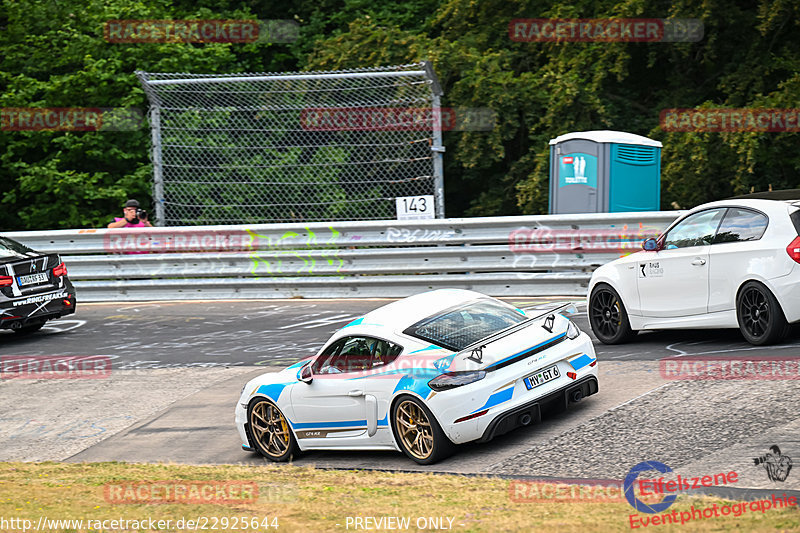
[(30, 279), (542, 376)]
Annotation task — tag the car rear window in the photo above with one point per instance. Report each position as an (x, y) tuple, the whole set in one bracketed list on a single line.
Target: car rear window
[(14, 246), (796, 220), (741, 225), (459, 327)]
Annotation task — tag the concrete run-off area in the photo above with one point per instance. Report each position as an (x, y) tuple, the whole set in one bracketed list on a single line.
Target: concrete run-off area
[(177, 369)]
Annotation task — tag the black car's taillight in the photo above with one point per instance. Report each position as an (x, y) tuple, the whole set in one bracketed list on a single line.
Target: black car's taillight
[(6, 281), (60, 270)]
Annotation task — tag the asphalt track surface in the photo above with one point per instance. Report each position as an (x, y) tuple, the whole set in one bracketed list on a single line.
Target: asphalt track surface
[(278, 333), (179, 366)]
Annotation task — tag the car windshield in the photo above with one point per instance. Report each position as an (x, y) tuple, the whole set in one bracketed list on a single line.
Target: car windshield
[(457, 328)]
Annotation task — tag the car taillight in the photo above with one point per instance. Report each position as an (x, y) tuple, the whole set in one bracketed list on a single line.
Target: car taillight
[(6, 281), (60, 270), (451, 380), (794, 249)]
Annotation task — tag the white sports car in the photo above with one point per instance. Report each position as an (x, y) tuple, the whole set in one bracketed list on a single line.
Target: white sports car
[(419, 375), (726, 264)]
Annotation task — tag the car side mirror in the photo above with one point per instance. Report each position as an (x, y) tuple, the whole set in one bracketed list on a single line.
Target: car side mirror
[(650, 244), (305, 374)]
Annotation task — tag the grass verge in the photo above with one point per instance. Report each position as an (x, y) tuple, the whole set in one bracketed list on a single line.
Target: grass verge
[(303, 499)]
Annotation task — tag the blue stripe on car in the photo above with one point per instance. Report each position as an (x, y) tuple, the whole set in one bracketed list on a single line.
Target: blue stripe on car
[(355, 322), (431, 347), (445, 362), (356, 424), (580, 362), (273, 391), (495, 399), (417, 383)]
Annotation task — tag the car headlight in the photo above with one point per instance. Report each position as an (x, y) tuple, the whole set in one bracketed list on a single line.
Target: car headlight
[(572, 330), (451, 380)]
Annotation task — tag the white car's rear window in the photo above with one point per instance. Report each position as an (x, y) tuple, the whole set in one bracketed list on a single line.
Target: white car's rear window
[(457, 328)]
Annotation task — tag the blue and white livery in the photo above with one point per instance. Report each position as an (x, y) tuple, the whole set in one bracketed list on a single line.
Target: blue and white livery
[(420, 375)]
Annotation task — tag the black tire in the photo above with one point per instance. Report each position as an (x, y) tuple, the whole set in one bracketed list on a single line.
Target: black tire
[(270, 433), (30, 328), (761, 319), (608, 316), (433, 445)]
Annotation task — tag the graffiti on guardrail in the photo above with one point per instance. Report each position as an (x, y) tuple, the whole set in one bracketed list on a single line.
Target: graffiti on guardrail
[(578, 241), (286, 250), (289, 253), (405, 235)]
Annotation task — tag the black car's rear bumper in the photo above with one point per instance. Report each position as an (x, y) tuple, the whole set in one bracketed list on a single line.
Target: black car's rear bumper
[(37, 308)]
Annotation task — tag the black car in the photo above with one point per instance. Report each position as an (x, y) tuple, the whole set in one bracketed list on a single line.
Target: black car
[(34, 287)]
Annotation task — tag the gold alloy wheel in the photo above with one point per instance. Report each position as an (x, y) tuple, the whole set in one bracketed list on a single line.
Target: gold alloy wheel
[(415, 429), (270, 429)]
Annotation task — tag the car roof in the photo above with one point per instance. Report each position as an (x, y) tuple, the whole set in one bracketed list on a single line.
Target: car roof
[(782, 194), (767, 206), (398, 315)]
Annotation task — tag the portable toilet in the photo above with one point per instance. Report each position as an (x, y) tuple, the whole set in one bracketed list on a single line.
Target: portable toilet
[(604, 172)]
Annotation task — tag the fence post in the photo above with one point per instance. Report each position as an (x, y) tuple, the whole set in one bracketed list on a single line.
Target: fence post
[(158, 171)]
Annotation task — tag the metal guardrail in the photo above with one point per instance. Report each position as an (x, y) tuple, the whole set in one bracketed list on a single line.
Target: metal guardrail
[(502, 256)]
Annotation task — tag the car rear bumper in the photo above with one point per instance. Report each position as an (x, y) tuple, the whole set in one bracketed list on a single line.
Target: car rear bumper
[(35, 309), (531, 412), (466, 413)]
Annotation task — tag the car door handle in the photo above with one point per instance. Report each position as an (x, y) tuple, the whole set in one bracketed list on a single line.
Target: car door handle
[(356, 393), (699, 262)]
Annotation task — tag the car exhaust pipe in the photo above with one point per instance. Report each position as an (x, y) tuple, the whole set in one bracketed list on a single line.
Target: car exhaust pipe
[(16, 325), (577, 396), (525, 419)]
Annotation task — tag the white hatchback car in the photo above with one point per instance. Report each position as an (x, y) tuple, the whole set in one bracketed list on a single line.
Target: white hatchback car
[(419, 375), (726, 264)]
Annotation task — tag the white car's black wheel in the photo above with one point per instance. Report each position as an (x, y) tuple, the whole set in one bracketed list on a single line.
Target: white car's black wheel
[(418, 433), (608, 317), (272, 437), (761, 319)]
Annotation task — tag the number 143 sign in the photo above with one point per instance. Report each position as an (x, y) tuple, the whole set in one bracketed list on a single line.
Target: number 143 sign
[(415, 207)]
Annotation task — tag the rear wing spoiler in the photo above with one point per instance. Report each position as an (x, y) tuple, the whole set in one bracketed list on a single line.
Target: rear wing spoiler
[(561, 309)]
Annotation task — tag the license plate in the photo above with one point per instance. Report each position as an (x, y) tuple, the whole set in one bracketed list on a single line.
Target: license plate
[(30, 279), (542, 377)]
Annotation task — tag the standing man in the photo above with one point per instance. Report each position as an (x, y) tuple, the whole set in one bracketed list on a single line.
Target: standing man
[(132, 217)]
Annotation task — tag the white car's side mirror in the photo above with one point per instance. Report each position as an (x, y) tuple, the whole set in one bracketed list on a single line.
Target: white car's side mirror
[(305, 374)]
